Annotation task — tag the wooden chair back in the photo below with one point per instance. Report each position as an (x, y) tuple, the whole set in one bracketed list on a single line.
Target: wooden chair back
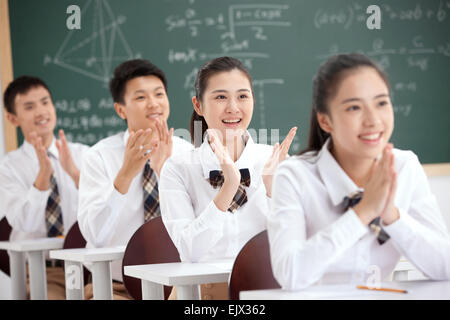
[(149, 244), (252, 269)]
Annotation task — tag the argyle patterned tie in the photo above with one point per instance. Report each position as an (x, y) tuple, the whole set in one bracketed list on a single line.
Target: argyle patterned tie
[(53, 212), (216, 179), (151, 194), (375, 225)]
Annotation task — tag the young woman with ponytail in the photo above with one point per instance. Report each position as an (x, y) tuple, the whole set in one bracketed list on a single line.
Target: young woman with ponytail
[(216, 198), (350, 205)]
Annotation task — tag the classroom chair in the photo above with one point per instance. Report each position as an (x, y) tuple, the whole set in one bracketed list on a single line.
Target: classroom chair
[(74, 240), (149, 244), (252, 269), (5, 231)]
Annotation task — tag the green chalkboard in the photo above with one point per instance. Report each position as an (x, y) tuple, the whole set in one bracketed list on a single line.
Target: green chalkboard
[(282, 43)]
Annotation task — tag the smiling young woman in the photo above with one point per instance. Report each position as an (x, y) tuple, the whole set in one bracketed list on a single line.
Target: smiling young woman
[(216, 197), (351, 201)]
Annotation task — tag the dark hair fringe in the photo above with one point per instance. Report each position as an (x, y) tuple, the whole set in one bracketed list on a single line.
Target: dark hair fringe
[(129, 70), (21, 85)]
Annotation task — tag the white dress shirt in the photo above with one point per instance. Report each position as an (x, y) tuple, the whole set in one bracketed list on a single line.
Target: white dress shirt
[(106, 217), (23, 204), (199, 230), (312, 240)]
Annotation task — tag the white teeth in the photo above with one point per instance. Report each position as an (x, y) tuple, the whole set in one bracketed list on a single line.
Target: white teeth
[(232, 121), (153, 115), (374, 136), (43, 121)]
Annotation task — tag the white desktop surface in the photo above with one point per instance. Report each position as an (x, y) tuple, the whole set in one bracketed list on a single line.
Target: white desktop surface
[(417, 290)]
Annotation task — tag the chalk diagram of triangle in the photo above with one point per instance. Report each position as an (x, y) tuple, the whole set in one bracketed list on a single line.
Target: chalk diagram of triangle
[(96, 55)]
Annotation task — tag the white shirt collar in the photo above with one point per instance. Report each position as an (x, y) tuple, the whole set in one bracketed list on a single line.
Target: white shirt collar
[(29, 149), (209, 161), (53, 150), (126, 135), (337, 182)]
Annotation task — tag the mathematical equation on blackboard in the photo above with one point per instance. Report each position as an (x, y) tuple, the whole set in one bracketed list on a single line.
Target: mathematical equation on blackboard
[(244, 31)]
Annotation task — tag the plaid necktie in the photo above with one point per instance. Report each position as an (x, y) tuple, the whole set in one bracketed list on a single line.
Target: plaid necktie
[(53, 212), (151, 194), (216, 179), (375, 225)]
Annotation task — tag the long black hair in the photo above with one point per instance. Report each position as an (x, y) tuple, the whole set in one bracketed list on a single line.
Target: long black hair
[(325, 85), (210, 68)]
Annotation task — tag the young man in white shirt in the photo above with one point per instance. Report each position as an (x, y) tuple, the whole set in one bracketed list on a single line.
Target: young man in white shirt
[(39, 181), (113, 203)]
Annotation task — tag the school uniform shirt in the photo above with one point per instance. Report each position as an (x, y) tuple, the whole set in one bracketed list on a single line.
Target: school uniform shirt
[(23, 204), (313, 241), (198, 229), (106, 217)]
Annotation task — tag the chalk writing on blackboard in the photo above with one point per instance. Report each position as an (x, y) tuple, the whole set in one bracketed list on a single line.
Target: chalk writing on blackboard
[(258, 86), (229, 40), (346, 16), (105, 38), (75, 116)]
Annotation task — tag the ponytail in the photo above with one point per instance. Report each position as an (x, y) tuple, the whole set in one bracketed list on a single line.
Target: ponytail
[(196, 121)]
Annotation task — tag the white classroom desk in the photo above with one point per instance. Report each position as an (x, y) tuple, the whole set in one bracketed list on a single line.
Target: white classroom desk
[(404, 270), (100, 258), (187, 277), (35, 250), (417, 290)]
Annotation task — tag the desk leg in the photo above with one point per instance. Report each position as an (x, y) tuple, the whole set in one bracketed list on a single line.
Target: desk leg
[(74, 280), (18, 275), (102, 280), (188, 292), (152, 290), (38, 275)]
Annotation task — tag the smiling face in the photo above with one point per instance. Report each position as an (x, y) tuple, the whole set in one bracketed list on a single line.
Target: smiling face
[(146, 102), (360, 116), (34, 111), (227, 103)]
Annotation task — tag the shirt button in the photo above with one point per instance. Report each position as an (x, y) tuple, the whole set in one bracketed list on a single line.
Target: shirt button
[(207, 297)]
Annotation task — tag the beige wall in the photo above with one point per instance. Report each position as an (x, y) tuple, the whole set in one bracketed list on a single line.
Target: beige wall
[(440, 186), (8, 135)]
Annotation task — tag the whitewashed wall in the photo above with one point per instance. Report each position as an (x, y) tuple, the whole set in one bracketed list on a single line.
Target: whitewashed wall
[(441, 188)]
